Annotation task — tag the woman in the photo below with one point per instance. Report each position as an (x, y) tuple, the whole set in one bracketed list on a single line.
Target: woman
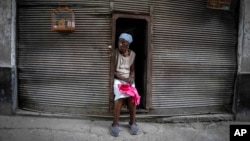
[(124, 74)]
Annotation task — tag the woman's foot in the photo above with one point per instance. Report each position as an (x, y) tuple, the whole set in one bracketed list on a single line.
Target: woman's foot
[(114, 130), (133, 129)]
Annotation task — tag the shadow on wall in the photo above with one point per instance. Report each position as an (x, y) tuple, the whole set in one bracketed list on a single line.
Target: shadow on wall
[(5, 85), (243, 109)]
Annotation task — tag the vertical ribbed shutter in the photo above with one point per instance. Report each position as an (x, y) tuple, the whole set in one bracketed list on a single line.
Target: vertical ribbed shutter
[(64, 69), (194, 55), (135, 6)]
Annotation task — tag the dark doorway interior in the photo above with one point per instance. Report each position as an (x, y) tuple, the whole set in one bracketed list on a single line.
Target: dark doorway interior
[(138, 29)]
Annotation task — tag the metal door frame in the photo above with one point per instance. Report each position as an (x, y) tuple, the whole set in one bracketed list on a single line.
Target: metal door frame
[(148, 101)]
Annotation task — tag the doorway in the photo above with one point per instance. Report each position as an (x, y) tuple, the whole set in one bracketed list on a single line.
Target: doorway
[(138, 27)]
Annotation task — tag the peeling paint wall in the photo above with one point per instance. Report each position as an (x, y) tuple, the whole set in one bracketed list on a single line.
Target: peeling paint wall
[(5, 33), (245, 54), (5, 56)]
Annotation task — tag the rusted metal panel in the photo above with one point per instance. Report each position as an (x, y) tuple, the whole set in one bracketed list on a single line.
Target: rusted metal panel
[(131, 6), (193, 55), (64, 69)]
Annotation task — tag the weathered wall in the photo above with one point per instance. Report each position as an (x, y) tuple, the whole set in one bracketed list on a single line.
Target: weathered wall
[(245, 35), (5, 33), (5, 56), (243, 81)]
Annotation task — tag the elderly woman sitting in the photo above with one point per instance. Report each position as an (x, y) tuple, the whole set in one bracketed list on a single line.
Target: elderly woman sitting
[(124, 74)]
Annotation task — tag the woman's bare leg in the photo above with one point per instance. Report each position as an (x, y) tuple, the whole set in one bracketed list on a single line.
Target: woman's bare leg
[(117, 111), (132, 110)]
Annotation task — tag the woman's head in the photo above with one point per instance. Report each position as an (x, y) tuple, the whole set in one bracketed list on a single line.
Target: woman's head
[(124, 41)]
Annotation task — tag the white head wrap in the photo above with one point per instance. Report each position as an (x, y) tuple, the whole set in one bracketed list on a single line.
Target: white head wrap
[(127, 37)]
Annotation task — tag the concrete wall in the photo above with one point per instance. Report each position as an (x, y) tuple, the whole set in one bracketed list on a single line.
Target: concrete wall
[(5, 33), (243, 81), (5, 56)]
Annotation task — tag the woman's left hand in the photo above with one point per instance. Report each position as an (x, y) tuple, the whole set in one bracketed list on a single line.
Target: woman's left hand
[(129, 80)]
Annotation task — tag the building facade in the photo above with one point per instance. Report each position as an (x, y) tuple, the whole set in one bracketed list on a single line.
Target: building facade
[(190, 58)]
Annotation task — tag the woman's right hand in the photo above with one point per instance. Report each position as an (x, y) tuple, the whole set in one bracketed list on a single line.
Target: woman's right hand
[(128, 80)]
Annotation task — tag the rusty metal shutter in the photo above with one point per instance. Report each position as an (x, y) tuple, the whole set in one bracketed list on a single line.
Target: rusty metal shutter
[(63, 70), (133, 6), (194, 55)]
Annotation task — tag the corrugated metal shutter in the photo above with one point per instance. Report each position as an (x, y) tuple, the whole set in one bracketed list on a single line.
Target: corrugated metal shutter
[(69, 70), (133, 6), (194, 55)]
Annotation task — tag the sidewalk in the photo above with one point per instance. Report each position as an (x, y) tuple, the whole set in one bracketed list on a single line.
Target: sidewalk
[(28, 128)]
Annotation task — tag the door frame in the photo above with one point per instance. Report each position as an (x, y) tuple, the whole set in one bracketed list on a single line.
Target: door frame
[(148, 93)]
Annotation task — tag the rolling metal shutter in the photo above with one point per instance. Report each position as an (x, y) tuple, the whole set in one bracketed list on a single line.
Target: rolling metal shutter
[(134, 6), (63, 70), (194, 55)]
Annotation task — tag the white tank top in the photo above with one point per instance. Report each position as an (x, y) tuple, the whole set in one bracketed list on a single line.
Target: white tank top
[(124, 64)]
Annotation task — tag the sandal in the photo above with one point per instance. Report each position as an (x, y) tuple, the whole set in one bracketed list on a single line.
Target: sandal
[(114, 130), (133, 129)]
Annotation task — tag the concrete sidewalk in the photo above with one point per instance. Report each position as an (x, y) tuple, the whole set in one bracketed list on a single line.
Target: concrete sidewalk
[(30, 128)]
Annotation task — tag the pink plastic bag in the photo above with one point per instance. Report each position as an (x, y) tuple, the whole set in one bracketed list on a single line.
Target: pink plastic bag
[(132, 91)]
